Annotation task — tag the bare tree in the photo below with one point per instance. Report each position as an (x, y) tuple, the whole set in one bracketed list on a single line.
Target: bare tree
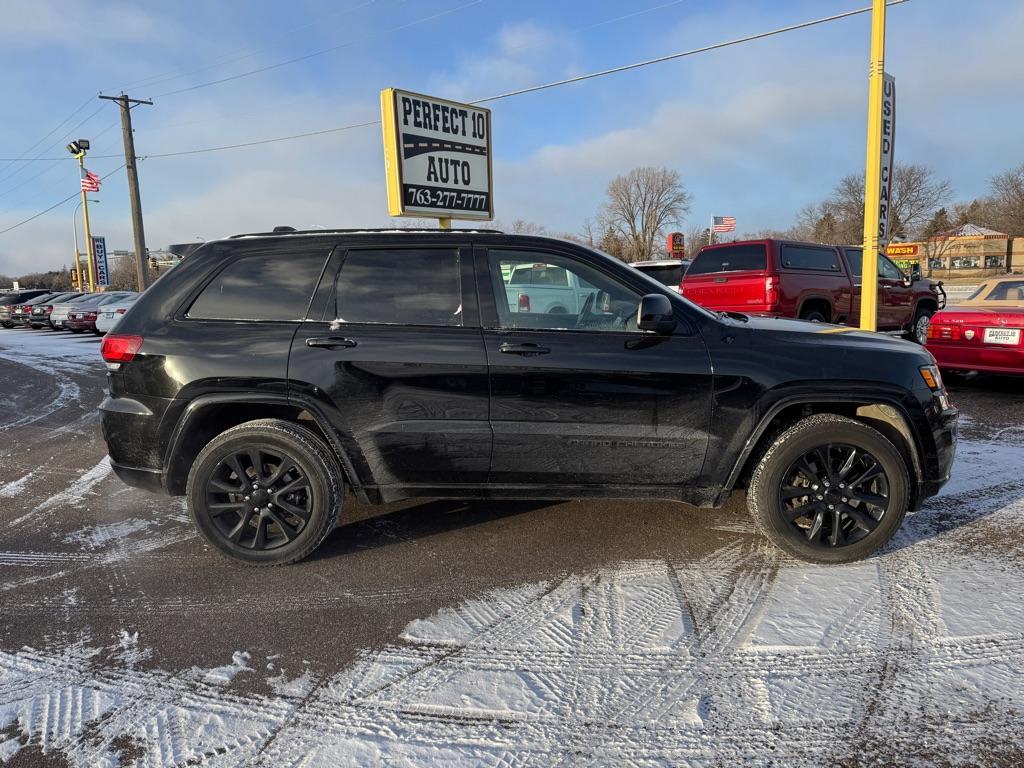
[(839, 218), (640, 207), (1007, 202), (123, 276)]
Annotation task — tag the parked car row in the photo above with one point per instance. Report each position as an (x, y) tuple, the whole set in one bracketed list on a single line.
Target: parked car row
[(70, 310)]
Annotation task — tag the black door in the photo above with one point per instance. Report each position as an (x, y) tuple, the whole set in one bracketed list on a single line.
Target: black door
[(585, 399), (396, 360)]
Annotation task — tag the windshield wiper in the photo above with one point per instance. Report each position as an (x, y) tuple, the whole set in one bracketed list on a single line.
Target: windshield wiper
[(735, 316)]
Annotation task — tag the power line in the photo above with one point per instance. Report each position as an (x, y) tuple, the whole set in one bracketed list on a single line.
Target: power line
[(53, 130), (70, 134), (545, 86), (67, 199), (304, 57), (682, 54), (509, 94)]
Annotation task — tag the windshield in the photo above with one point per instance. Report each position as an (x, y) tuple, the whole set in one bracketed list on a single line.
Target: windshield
[(1002, 292)]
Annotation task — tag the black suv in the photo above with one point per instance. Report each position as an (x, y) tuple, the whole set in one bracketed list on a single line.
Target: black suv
[(267, 373)]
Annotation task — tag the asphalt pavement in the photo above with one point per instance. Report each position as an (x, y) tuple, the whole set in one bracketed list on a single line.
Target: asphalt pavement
[(451, 633)]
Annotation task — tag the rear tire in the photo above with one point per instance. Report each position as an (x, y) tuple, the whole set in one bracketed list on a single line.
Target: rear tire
[(807, 495), (266, 492), (813, 316)]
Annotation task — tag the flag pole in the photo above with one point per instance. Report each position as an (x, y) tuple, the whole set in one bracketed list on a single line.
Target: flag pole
[(711, 229), (89, 256)]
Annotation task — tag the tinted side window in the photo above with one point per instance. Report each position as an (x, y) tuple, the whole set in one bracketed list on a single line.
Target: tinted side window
[(737, 258), (799, 257), (263, 286), (405, 286), (855, 258)]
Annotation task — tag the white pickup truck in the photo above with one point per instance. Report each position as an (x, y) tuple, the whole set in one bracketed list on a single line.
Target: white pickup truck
[(546, 288)]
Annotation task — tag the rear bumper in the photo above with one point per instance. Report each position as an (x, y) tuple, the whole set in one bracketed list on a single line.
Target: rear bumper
[(978, 358), (140, 477), (79, 325)]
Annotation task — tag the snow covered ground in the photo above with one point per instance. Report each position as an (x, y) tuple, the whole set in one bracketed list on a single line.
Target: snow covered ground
[(739, 656)]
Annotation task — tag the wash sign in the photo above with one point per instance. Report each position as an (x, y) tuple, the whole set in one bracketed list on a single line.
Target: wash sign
[(888, 152), (99, 251), (437, 157)]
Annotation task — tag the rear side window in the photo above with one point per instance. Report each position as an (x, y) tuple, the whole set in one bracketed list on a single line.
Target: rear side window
[(263, 286), (855, 258), (801, 257), (734, 258), (404, 286)]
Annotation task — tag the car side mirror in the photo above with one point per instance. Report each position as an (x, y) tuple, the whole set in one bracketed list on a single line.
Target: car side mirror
[(915, 272), (655, 314)]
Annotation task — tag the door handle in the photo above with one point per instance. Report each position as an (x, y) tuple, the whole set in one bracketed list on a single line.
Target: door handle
[(886, 287), (330, 342), (523, 349)]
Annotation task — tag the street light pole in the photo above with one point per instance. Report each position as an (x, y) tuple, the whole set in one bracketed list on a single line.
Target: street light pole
[(78, 253), (872, 172)]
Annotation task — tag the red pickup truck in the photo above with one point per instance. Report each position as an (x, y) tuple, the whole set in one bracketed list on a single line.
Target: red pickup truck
[(808, 281)]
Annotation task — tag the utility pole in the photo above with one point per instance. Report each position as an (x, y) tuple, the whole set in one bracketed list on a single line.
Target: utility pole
[(872, 171), (133, 182)]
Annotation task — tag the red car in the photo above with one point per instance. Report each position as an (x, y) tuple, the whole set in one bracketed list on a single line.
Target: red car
[(809, 281), (983, 333), (82, 320)]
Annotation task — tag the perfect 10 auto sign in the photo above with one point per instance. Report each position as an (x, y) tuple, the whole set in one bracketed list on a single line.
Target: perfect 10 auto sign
[(437, 157)]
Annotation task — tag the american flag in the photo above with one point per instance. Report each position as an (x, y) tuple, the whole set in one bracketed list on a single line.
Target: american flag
[(90, 181), (723, 223)]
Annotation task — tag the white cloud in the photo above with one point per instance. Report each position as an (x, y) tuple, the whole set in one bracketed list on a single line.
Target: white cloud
[(521, 54)]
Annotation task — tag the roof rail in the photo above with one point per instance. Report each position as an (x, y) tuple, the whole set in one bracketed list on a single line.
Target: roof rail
[(282, 231)]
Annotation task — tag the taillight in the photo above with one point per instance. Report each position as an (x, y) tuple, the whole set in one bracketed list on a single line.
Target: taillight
[(89, 316), (48, 309), (944, 332), (771, 291), (120, 311), (118, 348), (524, 302)]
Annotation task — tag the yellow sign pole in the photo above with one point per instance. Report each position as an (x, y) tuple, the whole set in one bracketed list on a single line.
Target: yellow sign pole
[(89, 256), (872, 171)]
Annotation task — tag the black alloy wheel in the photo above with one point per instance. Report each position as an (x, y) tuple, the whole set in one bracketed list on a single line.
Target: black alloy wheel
[(258, 498), (834, 495), (830, 489), (266, 492)]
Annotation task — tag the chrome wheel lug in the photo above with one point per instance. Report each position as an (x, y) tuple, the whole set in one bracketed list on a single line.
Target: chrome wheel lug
[(845, 499), (831, 506)]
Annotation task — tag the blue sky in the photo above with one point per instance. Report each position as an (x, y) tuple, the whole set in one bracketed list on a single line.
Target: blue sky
[(755, 131)]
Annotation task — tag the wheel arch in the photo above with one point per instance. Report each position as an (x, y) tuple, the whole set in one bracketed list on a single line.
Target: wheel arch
[(884, 414), (209, 415), (817, 301)]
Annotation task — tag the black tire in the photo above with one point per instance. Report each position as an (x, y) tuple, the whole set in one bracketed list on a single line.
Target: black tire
[(558, 311), (76, 330), (279, 533), (813, 316), (864, 524), (918, 331)]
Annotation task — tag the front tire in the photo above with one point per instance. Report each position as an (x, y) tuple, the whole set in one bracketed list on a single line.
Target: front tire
[(814, 316), (919, 327), (830, 490), (266, 492)]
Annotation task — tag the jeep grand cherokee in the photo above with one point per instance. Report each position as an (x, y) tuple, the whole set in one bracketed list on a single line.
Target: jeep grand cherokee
[(270, 372)]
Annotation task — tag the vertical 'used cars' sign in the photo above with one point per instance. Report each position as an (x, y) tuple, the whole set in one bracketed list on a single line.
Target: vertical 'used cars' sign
[(437, 157), (888, 154)]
